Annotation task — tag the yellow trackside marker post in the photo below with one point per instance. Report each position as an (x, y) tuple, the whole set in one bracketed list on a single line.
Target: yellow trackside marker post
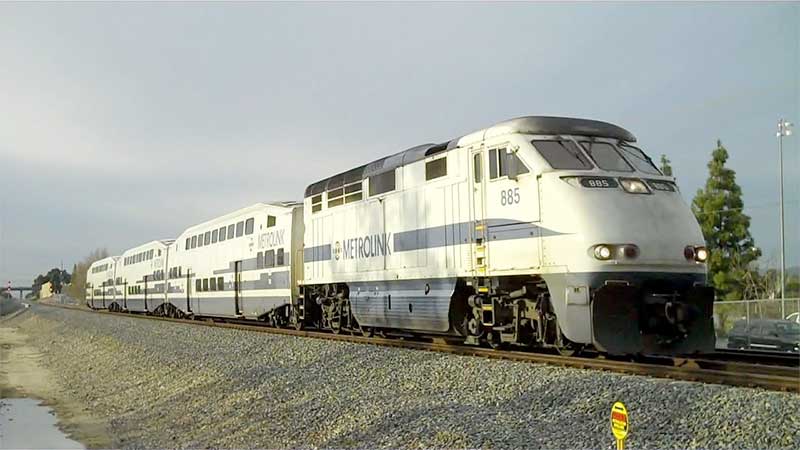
[(619, 424)]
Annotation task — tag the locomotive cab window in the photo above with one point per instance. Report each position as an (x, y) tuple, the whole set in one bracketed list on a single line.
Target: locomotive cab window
[(436, 168), (606, 156), (271, 219), (642, 162), (500, 160), (562, 154)]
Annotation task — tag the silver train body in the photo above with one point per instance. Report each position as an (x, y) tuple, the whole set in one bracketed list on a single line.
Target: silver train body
[(535, 232)]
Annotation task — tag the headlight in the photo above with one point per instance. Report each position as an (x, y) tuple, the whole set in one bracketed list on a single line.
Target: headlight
[(602, 252), (698, 254), (634, 186)]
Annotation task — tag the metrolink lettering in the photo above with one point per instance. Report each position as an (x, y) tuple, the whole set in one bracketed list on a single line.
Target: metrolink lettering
[(367, 246), (271, 239)]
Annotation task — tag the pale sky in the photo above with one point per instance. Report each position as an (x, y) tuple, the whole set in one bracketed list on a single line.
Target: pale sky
[(124, 123)]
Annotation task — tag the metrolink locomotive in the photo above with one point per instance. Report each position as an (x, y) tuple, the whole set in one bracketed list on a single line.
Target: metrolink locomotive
[(541, 232)]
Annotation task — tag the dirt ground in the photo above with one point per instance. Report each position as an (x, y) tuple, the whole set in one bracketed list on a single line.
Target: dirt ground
[(22, 375)]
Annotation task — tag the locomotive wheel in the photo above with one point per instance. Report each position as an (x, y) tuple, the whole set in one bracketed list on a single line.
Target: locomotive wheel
[(367, 331)]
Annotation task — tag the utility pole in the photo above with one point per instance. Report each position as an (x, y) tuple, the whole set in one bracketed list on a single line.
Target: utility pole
[(784, 129)]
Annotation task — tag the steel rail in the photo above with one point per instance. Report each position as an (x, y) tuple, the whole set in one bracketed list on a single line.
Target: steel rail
[(715, 371)]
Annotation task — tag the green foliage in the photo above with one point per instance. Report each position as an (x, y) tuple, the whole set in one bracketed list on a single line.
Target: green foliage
[(55, 276), (666, 168), (718, 207)]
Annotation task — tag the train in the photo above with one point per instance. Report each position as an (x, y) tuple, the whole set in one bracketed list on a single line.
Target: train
[(537, 232)]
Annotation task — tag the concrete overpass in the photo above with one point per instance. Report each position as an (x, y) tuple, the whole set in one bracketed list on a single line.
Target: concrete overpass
[(19, 289)]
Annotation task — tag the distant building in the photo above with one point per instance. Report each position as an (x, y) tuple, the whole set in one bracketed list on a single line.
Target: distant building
[(46, 290)]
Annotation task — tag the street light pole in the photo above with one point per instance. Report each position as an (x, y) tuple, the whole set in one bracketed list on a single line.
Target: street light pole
[(784, 129)]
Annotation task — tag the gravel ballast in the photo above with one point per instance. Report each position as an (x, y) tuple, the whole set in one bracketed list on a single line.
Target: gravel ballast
[(161, 384)]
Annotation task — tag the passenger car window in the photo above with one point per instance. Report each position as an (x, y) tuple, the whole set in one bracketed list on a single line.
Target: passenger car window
[(222, 234), (205, 284), (279, 257), (194, 241), (198, 285), (248, 226), (260, 260), (240, 229), (220, 284), (269, 258), (200, 240), (562, 154), (212, 284), (231, 229), (207, 238), (214, 236)]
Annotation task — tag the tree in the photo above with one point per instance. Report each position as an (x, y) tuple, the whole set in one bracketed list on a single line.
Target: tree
[(718, 208), (55, 276), (77, 287), (666, 168)]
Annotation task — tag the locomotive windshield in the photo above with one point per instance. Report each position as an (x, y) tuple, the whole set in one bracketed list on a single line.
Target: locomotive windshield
[(606, 156), (642, 162), (562, 154)]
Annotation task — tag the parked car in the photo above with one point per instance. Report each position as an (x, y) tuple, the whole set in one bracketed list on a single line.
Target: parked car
[(765, 334)]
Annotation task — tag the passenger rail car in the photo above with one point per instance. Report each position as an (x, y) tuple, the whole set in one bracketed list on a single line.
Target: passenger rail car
[(141, 277), (239, 264), (101, 291), (538, 231)]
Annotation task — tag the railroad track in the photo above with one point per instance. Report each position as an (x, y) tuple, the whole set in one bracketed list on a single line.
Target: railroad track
[(780, 372)]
